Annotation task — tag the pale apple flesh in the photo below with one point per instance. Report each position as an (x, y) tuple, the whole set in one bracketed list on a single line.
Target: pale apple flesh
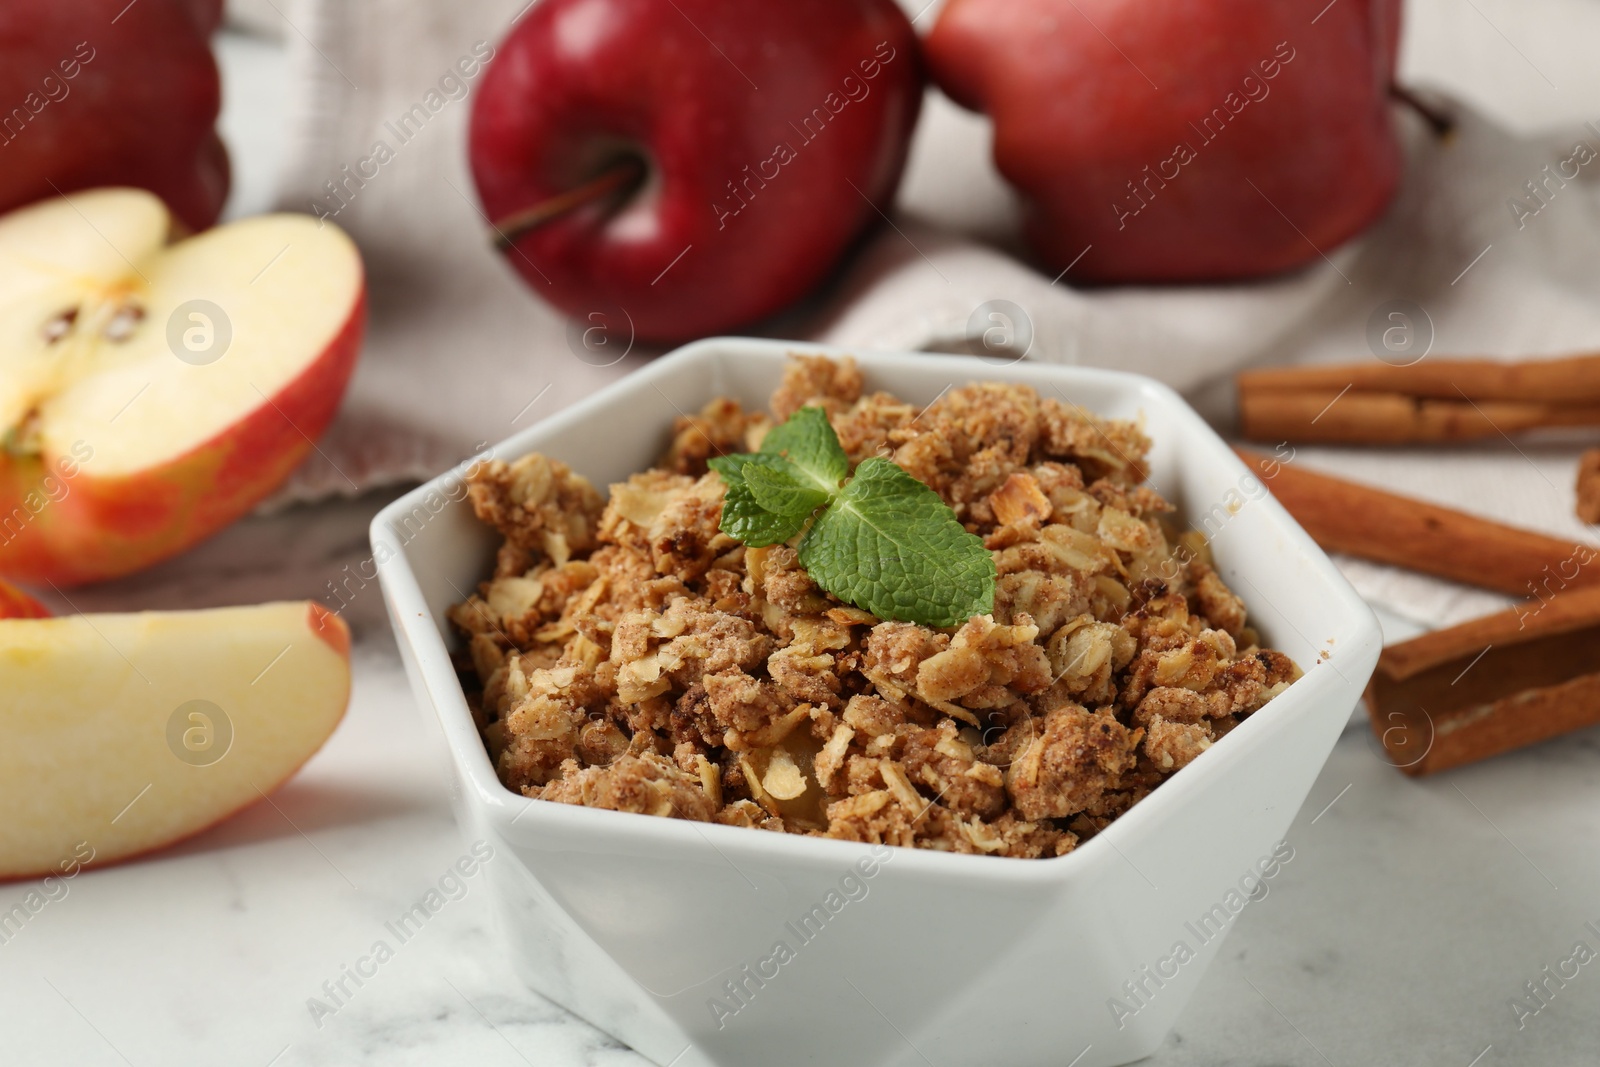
[(124, 733), (135, 421), (15, 604)]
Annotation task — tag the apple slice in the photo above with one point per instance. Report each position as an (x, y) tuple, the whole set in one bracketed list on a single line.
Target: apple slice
[(15, 604), (152, 393), (123, 733)]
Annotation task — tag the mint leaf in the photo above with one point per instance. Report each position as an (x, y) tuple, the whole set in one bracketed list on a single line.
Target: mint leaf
[(778, 492), (748, 522), (764, 504), (885, 543), (731, 468), (809, 449), (889, 545)]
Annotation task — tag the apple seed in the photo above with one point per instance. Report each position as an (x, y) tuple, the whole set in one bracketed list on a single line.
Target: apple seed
[(123, 320), (58, 327)]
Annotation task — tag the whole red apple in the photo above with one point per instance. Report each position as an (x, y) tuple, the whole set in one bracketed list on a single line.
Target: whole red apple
[(695, 164), (1202, 141), (104, 92)]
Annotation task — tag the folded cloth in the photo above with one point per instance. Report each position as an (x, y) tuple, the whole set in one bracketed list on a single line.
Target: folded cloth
[(1489, 246)]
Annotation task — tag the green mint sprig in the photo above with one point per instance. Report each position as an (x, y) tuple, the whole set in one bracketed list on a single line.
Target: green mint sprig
[(882, 540)]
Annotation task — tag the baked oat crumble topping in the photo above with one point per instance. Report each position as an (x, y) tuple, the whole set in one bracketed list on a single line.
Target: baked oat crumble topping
[(627, 654)]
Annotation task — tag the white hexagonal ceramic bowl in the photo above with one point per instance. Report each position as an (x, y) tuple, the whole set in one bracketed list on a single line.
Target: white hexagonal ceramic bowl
[(704, 944)]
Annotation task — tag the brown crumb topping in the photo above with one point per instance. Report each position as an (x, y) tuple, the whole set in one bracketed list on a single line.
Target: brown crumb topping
[(626, 654)]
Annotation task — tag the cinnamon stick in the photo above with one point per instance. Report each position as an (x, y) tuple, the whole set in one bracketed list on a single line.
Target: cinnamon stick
[(1589, 487), (1372, 524), (1432, 400), (1494, 684), (1567, 380), (1337, 416)]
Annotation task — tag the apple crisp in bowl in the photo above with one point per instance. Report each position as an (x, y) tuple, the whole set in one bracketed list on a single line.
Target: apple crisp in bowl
[(897, 609), (643, 651)]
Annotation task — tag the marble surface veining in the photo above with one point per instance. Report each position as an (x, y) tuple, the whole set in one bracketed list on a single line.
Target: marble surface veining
[(1409, 920)]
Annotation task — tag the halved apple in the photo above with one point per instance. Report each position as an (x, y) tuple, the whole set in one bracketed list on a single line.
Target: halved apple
[(15, 604), (123, 733), (151, 393)]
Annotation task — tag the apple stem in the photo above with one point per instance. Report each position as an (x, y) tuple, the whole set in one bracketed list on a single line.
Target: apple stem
[(1441, 122), (624, 174)]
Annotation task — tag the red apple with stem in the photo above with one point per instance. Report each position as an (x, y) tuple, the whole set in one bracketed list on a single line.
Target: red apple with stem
[(104, 92), (691, 165), (1203, 141)]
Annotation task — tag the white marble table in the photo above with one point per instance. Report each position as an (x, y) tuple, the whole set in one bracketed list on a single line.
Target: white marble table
[(1409, 917)]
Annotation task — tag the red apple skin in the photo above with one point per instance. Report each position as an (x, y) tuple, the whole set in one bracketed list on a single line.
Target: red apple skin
[(103, 528), (1076, 121), (576, 79), (140, 110), (15, 604)]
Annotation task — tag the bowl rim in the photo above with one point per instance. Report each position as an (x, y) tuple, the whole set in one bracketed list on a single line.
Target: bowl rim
[(1356, 645)]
